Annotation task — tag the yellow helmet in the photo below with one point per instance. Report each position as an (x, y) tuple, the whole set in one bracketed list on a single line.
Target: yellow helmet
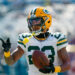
[(44, 15)]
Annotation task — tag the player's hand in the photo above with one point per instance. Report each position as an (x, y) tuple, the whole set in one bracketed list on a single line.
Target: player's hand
[(6, 45), (49, 69)]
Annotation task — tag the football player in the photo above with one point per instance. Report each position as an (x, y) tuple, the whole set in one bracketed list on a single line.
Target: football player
[(52, 44)]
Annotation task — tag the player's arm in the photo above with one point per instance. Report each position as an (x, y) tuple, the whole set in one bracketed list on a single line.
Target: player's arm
[(11, 58), (14, 56), (63, 55)]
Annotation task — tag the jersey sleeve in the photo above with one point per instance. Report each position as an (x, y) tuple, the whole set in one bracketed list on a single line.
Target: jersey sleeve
[(20, 42), (62, 41)]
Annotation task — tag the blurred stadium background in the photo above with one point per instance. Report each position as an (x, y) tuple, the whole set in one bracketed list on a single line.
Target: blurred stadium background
[(13, 16)]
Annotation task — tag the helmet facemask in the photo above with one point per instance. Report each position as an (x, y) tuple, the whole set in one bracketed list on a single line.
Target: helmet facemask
[(36, 25)]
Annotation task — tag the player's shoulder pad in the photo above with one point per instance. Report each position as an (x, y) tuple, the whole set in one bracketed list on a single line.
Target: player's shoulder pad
[(21, 38), (23, 35), (61, 38), (59, 35)]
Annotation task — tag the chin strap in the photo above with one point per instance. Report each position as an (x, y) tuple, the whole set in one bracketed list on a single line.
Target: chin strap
[(42, 36)]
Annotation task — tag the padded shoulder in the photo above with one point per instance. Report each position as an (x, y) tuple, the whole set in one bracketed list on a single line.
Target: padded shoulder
[(23, 36), (61, 40), (57, 35), (22, 39)]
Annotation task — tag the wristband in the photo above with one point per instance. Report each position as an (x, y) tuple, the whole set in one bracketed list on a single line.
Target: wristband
[(57, 69), (7, 54)]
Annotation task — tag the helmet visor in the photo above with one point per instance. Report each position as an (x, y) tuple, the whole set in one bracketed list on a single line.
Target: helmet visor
[(35, 21)]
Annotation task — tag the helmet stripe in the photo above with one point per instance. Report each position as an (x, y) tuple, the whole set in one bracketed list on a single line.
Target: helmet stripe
[(31, 12), (34, 11)]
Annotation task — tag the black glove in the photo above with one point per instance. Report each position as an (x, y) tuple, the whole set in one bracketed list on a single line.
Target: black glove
[(6, 45), (49, 69)]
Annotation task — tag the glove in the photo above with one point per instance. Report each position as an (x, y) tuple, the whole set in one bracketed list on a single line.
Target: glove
[(6, 45), (49, 69)]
